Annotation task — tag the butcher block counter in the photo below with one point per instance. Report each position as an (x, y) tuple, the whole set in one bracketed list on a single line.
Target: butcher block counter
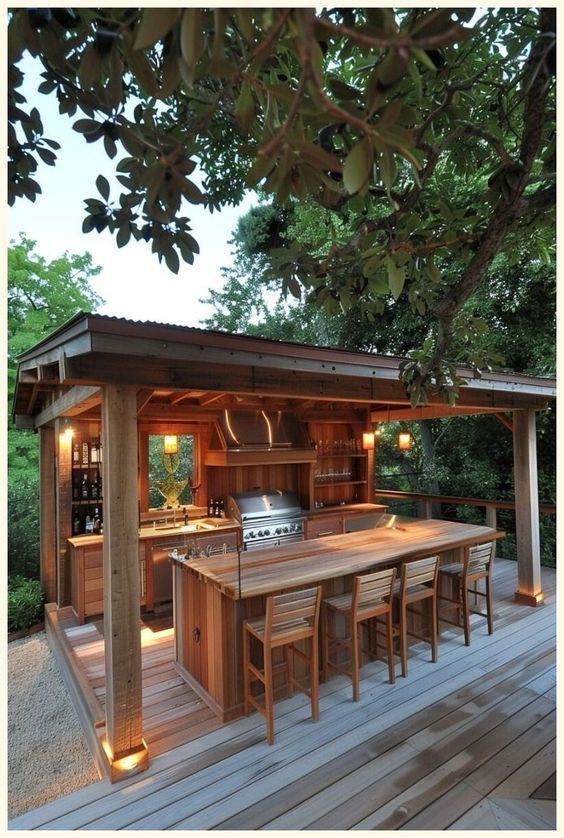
[(212, 596)]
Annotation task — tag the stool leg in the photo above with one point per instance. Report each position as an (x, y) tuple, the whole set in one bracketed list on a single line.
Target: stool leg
[(289, 660), (268, 695), (355, 659), (403, 638), (466, 614), (246, 678), (324, 642), (314, 676), (390, 639), (489, 600), (434, 628)]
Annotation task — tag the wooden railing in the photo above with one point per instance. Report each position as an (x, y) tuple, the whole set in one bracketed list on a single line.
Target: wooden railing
[(427, 501)]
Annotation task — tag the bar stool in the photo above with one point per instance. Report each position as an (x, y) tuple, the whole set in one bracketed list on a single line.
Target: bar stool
[(417, 583), (289, 617), (371, 597), (477, 564)]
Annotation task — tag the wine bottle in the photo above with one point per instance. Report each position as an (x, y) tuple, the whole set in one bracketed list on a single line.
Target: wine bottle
[(97, 521), (94, 489), (84, 487), (94, 451), (211, 508), (75, 453), (76, 524), (84, 453)]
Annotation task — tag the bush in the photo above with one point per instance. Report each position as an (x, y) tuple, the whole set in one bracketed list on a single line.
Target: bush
[(25, 602), (23, 524)]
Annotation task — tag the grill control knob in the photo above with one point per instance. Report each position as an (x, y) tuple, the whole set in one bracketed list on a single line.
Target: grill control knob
[(251, 534), (260, 533), (278, 530), (267, 532), (286, 529)]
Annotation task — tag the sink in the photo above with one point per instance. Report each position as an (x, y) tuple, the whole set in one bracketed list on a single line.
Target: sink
[(197, 526)]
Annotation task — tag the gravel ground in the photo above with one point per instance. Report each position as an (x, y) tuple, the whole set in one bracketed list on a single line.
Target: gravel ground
[(47, 753)]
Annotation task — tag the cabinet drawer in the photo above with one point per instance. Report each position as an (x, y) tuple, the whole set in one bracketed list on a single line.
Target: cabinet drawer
[(324, 525)]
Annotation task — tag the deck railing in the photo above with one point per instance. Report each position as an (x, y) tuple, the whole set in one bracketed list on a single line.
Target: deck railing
[(426, 502)]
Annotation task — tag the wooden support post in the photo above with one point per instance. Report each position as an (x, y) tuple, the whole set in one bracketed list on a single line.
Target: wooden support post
[(47, 514), (526, 508), (63, 503), (124, 745)]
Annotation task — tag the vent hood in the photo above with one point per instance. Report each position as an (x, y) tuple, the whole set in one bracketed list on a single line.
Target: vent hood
[(256, 436)]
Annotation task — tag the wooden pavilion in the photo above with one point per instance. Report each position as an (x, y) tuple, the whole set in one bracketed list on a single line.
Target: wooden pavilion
[(128, 379)]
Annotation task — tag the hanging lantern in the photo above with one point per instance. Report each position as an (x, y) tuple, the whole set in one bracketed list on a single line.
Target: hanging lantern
[(405, 441), (368, 441), (171, 445)]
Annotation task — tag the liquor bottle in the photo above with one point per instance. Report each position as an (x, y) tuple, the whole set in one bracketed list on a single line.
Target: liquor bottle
[(94, 451), (221, 509), (75, 453), (76, 524), (89, 524), (94, 489), (99, 482), (99, 450), (75, 488), (84, 487), (84, 453), (211, 508), (97, 523), (216, 509)]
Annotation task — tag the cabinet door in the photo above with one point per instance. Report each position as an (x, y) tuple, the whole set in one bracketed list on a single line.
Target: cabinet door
[(324, 525), (93, 581)]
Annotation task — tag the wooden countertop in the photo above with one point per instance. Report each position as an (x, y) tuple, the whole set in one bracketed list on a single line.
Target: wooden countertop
[(309, 562), (145, 533)]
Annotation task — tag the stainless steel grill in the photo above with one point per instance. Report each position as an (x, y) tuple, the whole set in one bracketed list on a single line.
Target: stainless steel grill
[(268, 518)]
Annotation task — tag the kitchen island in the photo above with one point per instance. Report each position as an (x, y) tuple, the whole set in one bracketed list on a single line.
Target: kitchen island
[(212, 596)]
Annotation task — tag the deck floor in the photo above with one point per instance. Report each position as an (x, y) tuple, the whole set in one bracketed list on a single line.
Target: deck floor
[(466, 743)]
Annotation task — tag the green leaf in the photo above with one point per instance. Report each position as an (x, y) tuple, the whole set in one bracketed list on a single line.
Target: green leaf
[(396, 277), (294, 287), (318, 157), (103, 187), (388, 168), (90, 68), (155, 24), (245, 108), (172, 260), (342, 90), (358, 165), (191, 36), (123, 235)]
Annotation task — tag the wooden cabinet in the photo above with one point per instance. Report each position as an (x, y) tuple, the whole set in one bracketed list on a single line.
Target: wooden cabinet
[(87, 577), (324, 525)]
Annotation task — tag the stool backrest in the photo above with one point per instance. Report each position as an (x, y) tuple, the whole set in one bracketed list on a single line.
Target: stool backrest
[(293, 608), (371, 589), (420, 572), (479, 558)]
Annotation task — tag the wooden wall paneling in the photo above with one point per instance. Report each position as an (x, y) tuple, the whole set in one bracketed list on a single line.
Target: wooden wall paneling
[(143, 471), (124, 722), (47, 514), (526, 507)]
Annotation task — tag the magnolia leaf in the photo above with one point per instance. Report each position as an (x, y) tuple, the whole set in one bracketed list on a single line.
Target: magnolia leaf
[(245, 108), (191, 37), (123, 235), (90, 68), (155, 24), (388, 168), (342, 90), (396, 277), (358, 165), (372, 266), (318, 156), (172, 260), (260, 168), (103, 187), (294, 287)]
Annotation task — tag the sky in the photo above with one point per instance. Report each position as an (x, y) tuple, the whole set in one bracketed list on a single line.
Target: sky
[(132, 282)]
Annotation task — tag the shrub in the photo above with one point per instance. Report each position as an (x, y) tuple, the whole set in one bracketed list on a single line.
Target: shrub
[(23, 524), (25, 602)]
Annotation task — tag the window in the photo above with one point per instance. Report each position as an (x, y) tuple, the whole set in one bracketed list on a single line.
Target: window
[(174, 468)]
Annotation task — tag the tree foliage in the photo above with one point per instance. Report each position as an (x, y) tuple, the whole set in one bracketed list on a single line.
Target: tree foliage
[(42, 295), (370, 112)]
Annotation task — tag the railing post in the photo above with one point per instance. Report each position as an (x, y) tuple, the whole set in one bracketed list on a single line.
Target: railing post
[(491, 521), (428, 508), (526, 508)]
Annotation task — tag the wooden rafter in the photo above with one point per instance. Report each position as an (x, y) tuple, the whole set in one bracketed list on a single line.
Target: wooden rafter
[(74, 401)]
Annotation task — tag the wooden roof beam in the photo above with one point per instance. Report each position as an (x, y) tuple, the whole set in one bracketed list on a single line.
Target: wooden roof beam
[(74, 401), (505, 420), (143, 397)]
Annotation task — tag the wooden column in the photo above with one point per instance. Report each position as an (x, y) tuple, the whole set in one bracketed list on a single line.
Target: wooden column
[(47, 514), (124, 723), (526, 507), (63, 503)]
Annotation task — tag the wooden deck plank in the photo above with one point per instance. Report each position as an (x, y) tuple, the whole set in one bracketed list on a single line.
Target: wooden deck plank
[(229, 778)]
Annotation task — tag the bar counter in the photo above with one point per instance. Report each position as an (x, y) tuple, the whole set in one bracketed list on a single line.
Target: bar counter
[(209, 606)]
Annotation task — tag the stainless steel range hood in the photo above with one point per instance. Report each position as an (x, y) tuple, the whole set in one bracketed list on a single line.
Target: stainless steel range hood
[(276, 435)]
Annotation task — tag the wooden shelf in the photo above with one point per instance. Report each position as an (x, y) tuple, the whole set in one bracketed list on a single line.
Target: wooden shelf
[(91, 502), (321, 484), (340, 456), (255, 458)]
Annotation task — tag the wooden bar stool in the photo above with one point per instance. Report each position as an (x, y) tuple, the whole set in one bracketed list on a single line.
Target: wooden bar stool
[(417, 583), (476, 565), (371, 597), (289, 618)]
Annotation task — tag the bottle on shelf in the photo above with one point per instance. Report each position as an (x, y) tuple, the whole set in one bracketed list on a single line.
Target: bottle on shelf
[(221, 509), (76, 526), (85, 453), (94, 451), (216, 508), (97, 522), (76, 453), (94, 489), (211, 508), (89, 526), (84, 492), (75, 488), (99, 482)]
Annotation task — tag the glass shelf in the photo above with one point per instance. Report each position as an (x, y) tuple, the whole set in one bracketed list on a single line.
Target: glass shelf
[(321, 484)]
